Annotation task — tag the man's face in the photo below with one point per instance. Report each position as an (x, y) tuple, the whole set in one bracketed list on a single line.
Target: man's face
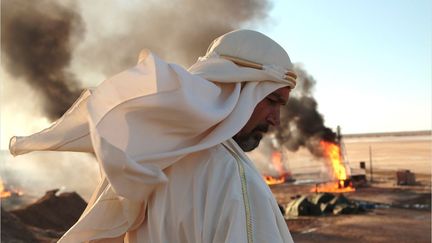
[(266, 114)]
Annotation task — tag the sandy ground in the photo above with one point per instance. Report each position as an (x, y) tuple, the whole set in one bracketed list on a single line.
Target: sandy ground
[(381, 225), (405, 152), (401, 214)]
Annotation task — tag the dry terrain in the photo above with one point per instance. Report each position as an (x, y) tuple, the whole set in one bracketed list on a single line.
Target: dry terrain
[(394, 213), (399, 213)]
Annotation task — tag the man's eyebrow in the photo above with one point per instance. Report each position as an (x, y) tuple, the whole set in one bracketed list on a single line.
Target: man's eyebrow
[(279, 98)]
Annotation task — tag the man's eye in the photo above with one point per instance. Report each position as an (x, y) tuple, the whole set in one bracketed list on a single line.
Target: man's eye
[(272, 101)]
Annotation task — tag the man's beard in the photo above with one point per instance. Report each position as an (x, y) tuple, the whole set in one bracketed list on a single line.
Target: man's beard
[(250, 141)]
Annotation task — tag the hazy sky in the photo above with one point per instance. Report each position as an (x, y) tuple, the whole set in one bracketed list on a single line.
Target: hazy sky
[(371, 59)]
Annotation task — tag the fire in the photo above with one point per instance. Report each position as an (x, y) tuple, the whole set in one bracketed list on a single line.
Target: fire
[(341, 183), (277, 164), (5, 192), (270, 180), (333, 153)]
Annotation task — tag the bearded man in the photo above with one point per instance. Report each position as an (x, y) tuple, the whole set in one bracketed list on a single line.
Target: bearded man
[(170, 143)]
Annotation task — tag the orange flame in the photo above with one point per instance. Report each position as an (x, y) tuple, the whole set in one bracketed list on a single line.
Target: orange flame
[(5, 193), (270, 180), (277, 164), (332, 152)]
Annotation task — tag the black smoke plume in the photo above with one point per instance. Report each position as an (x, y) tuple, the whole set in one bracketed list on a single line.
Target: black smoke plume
[(39, 37), (37, 40), (301, 123)]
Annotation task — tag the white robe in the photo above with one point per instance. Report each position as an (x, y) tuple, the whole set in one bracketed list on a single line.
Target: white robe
[(216, 195), (143, 125)]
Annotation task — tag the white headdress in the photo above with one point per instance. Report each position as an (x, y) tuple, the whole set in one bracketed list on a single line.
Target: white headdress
[(245, 55)]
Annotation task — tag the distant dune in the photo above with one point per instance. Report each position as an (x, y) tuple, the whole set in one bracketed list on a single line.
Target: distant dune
[(390, 134)]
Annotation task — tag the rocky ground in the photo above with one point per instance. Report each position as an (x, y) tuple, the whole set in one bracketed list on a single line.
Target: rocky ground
[(45, 220)]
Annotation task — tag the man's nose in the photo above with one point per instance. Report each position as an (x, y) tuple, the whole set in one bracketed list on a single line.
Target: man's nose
[(274, 118)]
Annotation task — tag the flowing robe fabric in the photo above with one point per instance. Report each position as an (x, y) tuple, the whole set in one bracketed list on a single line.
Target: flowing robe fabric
[(205, 201), (140, 124)]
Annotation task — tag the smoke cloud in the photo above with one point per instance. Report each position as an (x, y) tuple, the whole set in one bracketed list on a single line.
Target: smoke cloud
[(37, 40), (40, 40), (301, 123), (55, 46), (178, 31)]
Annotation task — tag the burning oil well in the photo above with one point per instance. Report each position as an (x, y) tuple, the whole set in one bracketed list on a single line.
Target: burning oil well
[(339, 171), (303, 126), (6, 192), (279, 172)]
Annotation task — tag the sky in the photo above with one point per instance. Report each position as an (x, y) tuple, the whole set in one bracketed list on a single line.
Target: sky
[(371, 59)]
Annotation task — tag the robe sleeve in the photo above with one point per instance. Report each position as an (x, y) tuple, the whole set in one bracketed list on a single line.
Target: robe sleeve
[(69, 133)]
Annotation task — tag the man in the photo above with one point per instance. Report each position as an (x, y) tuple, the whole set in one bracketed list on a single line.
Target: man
[(171, 142), (266, 113)]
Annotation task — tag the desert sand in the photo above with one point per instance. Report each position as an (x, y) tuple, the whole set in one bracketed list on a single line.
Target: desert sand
[(400, 213)]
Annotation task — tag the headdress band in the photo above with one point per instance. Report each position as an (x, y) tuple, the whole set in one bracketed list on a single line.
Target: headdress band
[(286, 74)]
